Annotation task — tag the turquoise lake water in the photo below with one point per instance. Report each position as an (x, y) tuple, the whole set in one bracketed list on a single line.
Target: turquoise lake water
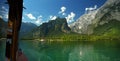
[(68, 51)]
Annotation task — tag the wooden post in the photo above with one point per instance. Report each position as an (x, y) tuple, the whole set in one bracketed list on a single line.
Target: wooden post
[(14, 24)]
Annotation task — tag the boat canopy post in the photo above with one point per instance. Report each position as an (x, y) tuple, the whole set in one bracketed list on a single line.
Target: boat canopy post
[(14, 24)]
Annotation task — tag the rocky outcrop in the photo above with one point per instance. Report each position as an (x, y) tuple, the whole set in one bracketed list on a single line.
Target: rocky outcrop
[(53, 27), (87, 22)]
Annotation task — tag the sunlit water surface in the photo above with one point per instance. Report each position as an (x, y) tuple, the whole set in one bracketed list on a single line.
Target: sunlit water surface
[(68, 51)]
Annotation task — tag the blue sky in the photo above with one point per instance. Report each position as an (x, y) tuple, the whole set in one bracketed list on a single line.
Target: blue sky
[(39, 11)]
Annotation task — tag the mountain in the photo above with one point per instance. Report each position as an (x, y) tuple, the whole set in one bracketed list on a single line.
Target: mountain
[(100, 19), (26, 27), (81, 24), (55, 27), (108, 19), (109, 11), (112, 28), (3, 28)]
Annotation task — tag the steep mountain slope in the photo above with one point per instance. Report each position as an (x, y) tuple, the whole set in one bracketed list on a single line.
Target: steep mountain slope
[(3, 28), (108, 19), (98, 19), (81, 25), (112, 28), (110, 10), (51, 28)]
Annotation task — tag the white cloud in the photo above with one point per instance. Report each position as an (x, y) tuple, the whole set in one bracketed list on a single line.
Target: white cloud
[(70, 17), (30, 16), (39, 20), (4, 12), (4, 9), (40, 16), (1, 16), (91, 8), (23, 18), (6, 16), (53, 17), (62, 11)]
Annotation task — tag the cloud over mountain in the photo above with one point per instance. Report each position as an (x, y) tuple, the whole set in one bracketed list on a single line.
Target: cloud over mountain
[(4, 12), (52, 17), (39, 20), (1, 16), (30, 16), (91, 8), (70, 17)]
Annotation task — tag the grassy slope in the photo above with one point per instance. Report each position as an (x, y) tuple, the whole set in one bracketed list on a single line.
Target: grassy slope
[(112, 28)]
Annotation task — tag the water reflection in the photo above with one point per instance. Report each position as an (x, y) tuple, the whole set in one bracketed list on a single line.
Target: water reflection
[(69, 51), (108, 50), (2, 50), (74, 51)]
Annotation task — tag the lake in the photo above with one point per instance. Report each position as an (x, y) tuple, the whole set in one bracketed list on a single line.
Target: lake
[(68, 51)]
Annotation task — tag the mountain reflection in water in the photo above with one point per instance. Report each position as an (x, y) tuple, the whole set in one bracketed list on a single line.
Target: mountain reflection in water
[(68, 51)]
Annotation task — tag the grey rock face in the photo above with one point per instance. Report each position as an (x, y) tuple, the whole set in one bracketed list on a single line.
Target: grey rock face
[(88, 21)]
